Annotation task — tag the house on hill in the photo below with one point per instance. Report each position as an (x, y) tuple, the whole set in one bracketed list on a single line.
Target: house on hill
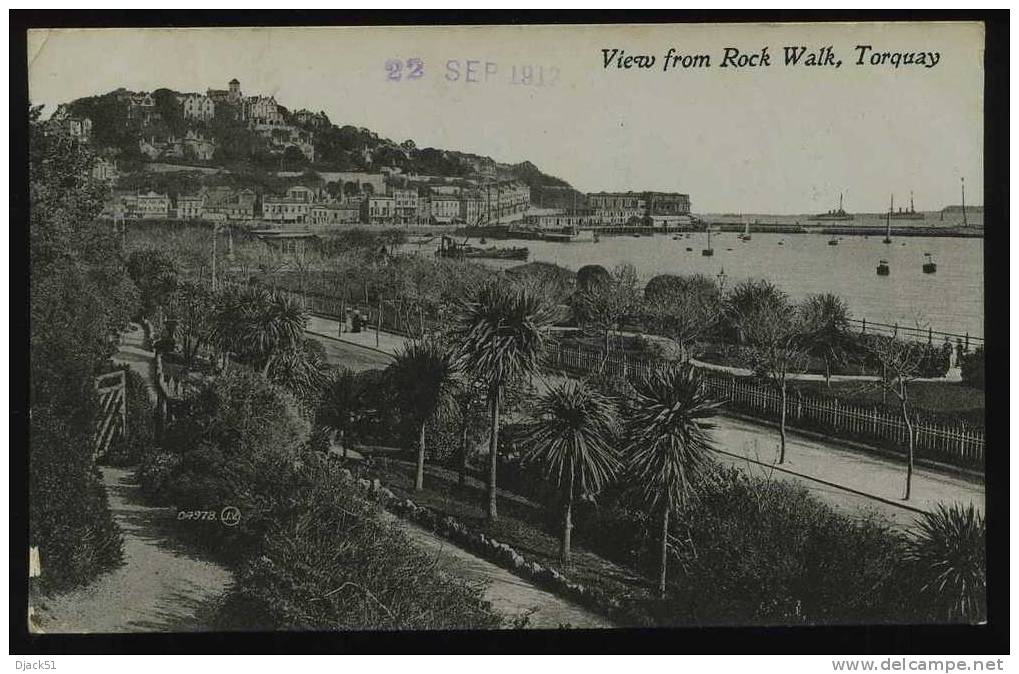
[(197, 107)]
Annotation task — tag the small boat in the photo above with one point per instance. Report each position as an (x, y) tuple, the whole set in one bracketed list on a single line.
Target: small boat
[(929, 266), (834, 241), (482, 241), (596, 238), (728, 248), (688, 249), (781, 243), (882, 268)]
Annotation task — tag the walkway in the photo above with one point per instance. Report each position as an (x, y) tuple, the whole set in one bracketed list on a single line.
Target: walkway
[(161, 587), (876, 476), (387, 342), (509, 595)]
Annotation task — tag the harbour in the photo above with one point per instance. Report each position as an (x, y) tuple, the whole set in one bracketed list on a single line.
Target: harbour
[(950, 300)]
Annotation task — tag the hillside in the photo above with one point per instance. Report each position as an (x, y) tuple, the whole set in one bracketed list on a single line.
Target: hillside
[(254, 133)]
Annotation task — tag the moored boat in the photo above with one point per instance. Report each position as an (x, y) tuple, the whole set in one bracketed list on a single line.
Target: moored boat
[(882, 268), (929, 266)]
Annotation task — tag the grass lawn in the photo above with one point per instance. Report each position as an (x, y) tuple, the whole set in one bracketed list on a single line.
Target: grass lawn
[(521, 524), (936, 396)]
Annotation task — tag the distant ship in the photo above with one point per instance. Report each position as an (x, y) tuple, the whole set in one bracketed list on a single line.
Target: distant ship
[(903, 214), (839, 214)]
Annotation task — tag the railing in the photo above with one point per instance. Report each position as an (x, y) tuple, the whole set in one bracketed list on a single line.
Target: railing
[(112, 390), (915, 334), (945, 441)]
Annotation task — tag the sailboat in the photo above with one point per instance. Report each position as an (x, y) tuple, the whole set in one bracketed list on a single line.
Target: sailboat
[(888, 221), (746, 231), (709, 251)]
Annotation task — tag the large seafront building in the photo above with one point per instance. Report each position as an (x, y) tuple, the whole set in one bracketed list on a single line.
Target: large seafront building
[(643, 208)]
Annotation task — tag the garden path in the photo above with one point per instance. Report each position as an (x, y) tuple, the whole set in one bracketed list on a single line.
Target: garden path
[(161, 587)]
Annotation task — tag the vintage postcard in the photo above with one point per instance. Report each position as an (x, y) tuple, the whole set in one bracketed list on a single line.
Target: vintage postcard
[(491, 327)]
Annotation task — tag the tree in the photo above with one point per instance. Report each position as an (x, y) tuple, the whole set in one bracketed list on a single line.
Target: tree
[(347, 405), (684, 308), (668, 442), (827, 336), (301, 370), (81, 300), (155, 274), (591, 274), (498, 333), (571, 437), (901, 362), (771, 327), (603, 303), (193, 307), (425, 375), (470, 400), (258, 324)]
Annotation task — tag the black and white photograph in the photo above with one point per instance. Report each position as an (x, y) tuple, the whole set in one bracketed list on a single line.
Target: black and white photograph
[(402, 328)]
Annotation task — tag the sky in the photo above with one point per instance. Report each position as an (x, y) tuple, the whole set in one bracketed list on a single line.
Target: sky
[(760, 139)]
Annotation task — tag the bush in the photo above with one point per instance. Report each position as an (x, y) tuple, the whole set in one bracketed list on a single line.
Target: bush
[(947, 564), (767, 552), (972, 365), (754, 551), (69, 517), (333, 563)]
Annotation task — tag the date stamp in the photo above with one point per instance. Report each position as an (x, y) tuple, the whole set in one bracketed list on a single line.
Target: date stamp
[(476, 71)]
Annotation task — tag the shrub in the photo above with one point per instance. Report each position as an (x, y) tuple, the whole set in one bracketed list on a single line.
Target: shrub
[(947, 563), (155, 473), (972, 365), (328, 561), (767, 552), (69, 517)]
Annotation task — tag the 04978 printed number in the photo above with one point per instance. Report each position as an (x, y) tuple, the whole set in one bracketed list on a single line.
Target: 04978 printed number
[(210, 515), (411, 69)]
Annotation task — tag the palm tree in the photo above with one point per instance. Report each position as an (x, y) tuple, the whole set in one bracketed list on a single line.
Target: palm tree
[(499, 339), (946, 558), (668, 443), (826, 319), (258, 324), (426, 377), (345, 405), (571, 437)]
